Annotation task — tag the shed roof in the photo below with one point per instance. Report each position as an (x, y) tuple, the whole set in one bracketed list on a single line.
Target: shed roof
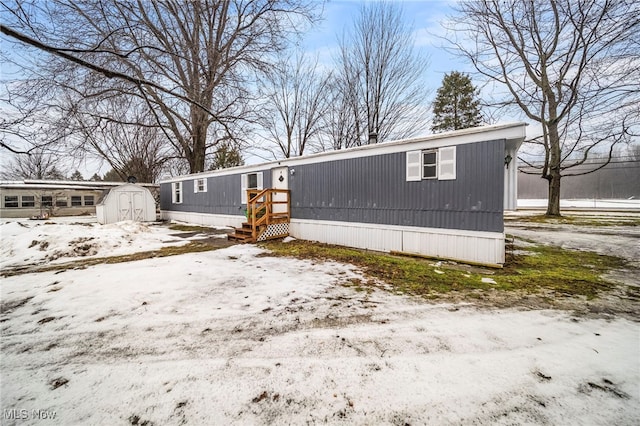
[(130, 186)]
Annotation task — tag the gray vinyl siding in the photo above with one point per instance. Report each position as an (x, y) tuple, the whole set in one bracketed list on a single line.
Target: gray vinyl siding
[(374, 190), (223, 195)]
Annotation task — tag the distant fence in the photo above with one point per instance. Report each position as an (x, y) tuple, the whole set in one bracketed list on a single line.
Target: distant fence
[(584, 204), (617, 180)]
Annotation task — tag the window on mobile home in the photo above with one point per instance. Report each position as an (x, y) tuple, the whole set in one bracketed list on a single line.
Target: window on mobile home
[(429, 164), (177, 192), (88, 200), (61, 201), (200, 185), (76, 201), (249, 181), (437, 164), (47, 201)]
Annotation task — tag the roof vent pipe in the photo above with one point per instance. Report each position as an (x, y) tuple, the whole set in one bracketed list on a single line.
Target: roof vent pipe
[(373, 138)]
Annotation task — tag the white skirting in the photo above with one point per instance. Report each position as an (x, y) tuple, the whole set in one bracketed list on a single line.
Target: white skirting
[(467, 246), (206, 219)]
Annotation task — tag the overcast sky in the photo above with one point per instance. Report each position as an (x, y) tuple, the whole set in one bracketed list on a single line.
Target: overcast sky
[(424, 16)]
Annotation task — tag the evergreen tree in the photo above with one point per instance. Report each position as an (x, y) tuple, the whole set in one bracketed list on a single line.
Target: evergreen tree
[(227, 155), (113, 176), (76, 176), (54, 174), (456, 105)]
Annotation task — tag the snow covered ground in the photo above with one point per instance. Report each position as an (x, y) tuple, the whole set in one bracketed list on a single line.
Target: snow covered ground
[(68, 238), (234, 336)]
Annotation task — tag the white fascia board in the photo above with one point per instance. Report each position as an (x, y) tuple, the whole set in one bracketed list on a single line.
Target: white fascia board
[(34, 187), (80, 183), (509, 131), (62, 184)]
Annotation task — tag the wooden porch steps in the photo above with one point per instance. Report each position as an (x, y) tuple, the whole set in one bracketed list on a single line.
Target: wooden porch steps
[(243, 235), (262, 222)]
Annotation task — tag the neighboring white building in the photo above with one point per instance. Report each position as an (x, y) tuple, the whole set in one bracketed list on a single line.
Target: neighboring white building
[(49, 198), (126, 202)]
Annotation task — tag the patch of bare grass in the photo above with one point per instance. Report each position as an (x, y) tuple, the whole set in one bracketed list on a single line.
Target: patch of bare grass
[(191, 247), (578, 220), (542, 270)]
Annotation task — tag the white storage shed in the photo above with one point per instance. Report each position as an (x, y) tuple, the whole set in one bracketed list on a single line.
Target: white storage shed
[(126, 202)]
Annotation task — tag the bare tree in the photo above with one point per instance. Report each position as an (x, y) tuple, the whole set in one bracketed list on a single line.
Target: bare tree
[(25, 117), (189, 61), (37, 164), (344, 123), (571, 66), (295, 104), (380, 89), (123, 133)]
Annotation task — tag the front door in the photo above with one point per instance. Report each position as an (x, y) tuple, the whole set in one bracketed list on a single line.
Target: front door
[(280, 180)]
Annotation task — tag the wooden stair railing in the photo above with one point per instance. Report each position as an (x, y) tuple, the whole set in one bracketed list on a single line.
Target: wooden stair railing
[(260, 215)]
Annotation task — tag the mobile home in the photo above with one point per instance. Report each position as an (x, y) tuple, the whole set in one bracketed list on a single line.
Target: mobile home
[(441, 195)]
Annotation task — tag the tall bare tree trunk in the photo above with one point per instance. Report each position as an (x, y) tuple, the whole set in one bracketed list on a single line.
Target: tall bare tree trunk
[(553, 174), (553, 204), (569, 65)]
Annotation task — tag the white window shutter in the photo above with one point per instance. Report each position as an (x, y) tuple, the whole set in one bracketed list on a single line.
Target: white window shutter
[(176, 195), (195, 186), (414, 165), (259, 179), (243, 187), (447, 163)]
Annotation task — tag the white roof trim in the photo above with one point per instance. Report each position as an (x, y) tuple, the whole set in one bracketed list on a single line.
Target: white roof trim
[(63, 184), (508, 131)]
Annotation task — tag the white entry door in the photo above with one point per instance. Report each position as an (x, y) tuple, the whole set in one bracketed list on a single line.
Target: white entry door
[(280, 180)]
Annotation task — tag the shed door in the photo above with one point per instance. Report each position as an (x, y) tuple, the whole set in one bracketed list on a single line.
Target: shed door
[(138, 206), (124, 206), (280, 180)]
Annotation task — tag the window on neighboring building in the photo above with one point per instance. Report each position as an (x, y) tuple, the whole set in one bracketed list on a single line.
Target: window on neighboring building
[(437, 164), (10, 201), (47, 201), (28, 201), (88, 200), (249, 181), (61, 202), (200, 185), (76, 200), (176, 192)]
